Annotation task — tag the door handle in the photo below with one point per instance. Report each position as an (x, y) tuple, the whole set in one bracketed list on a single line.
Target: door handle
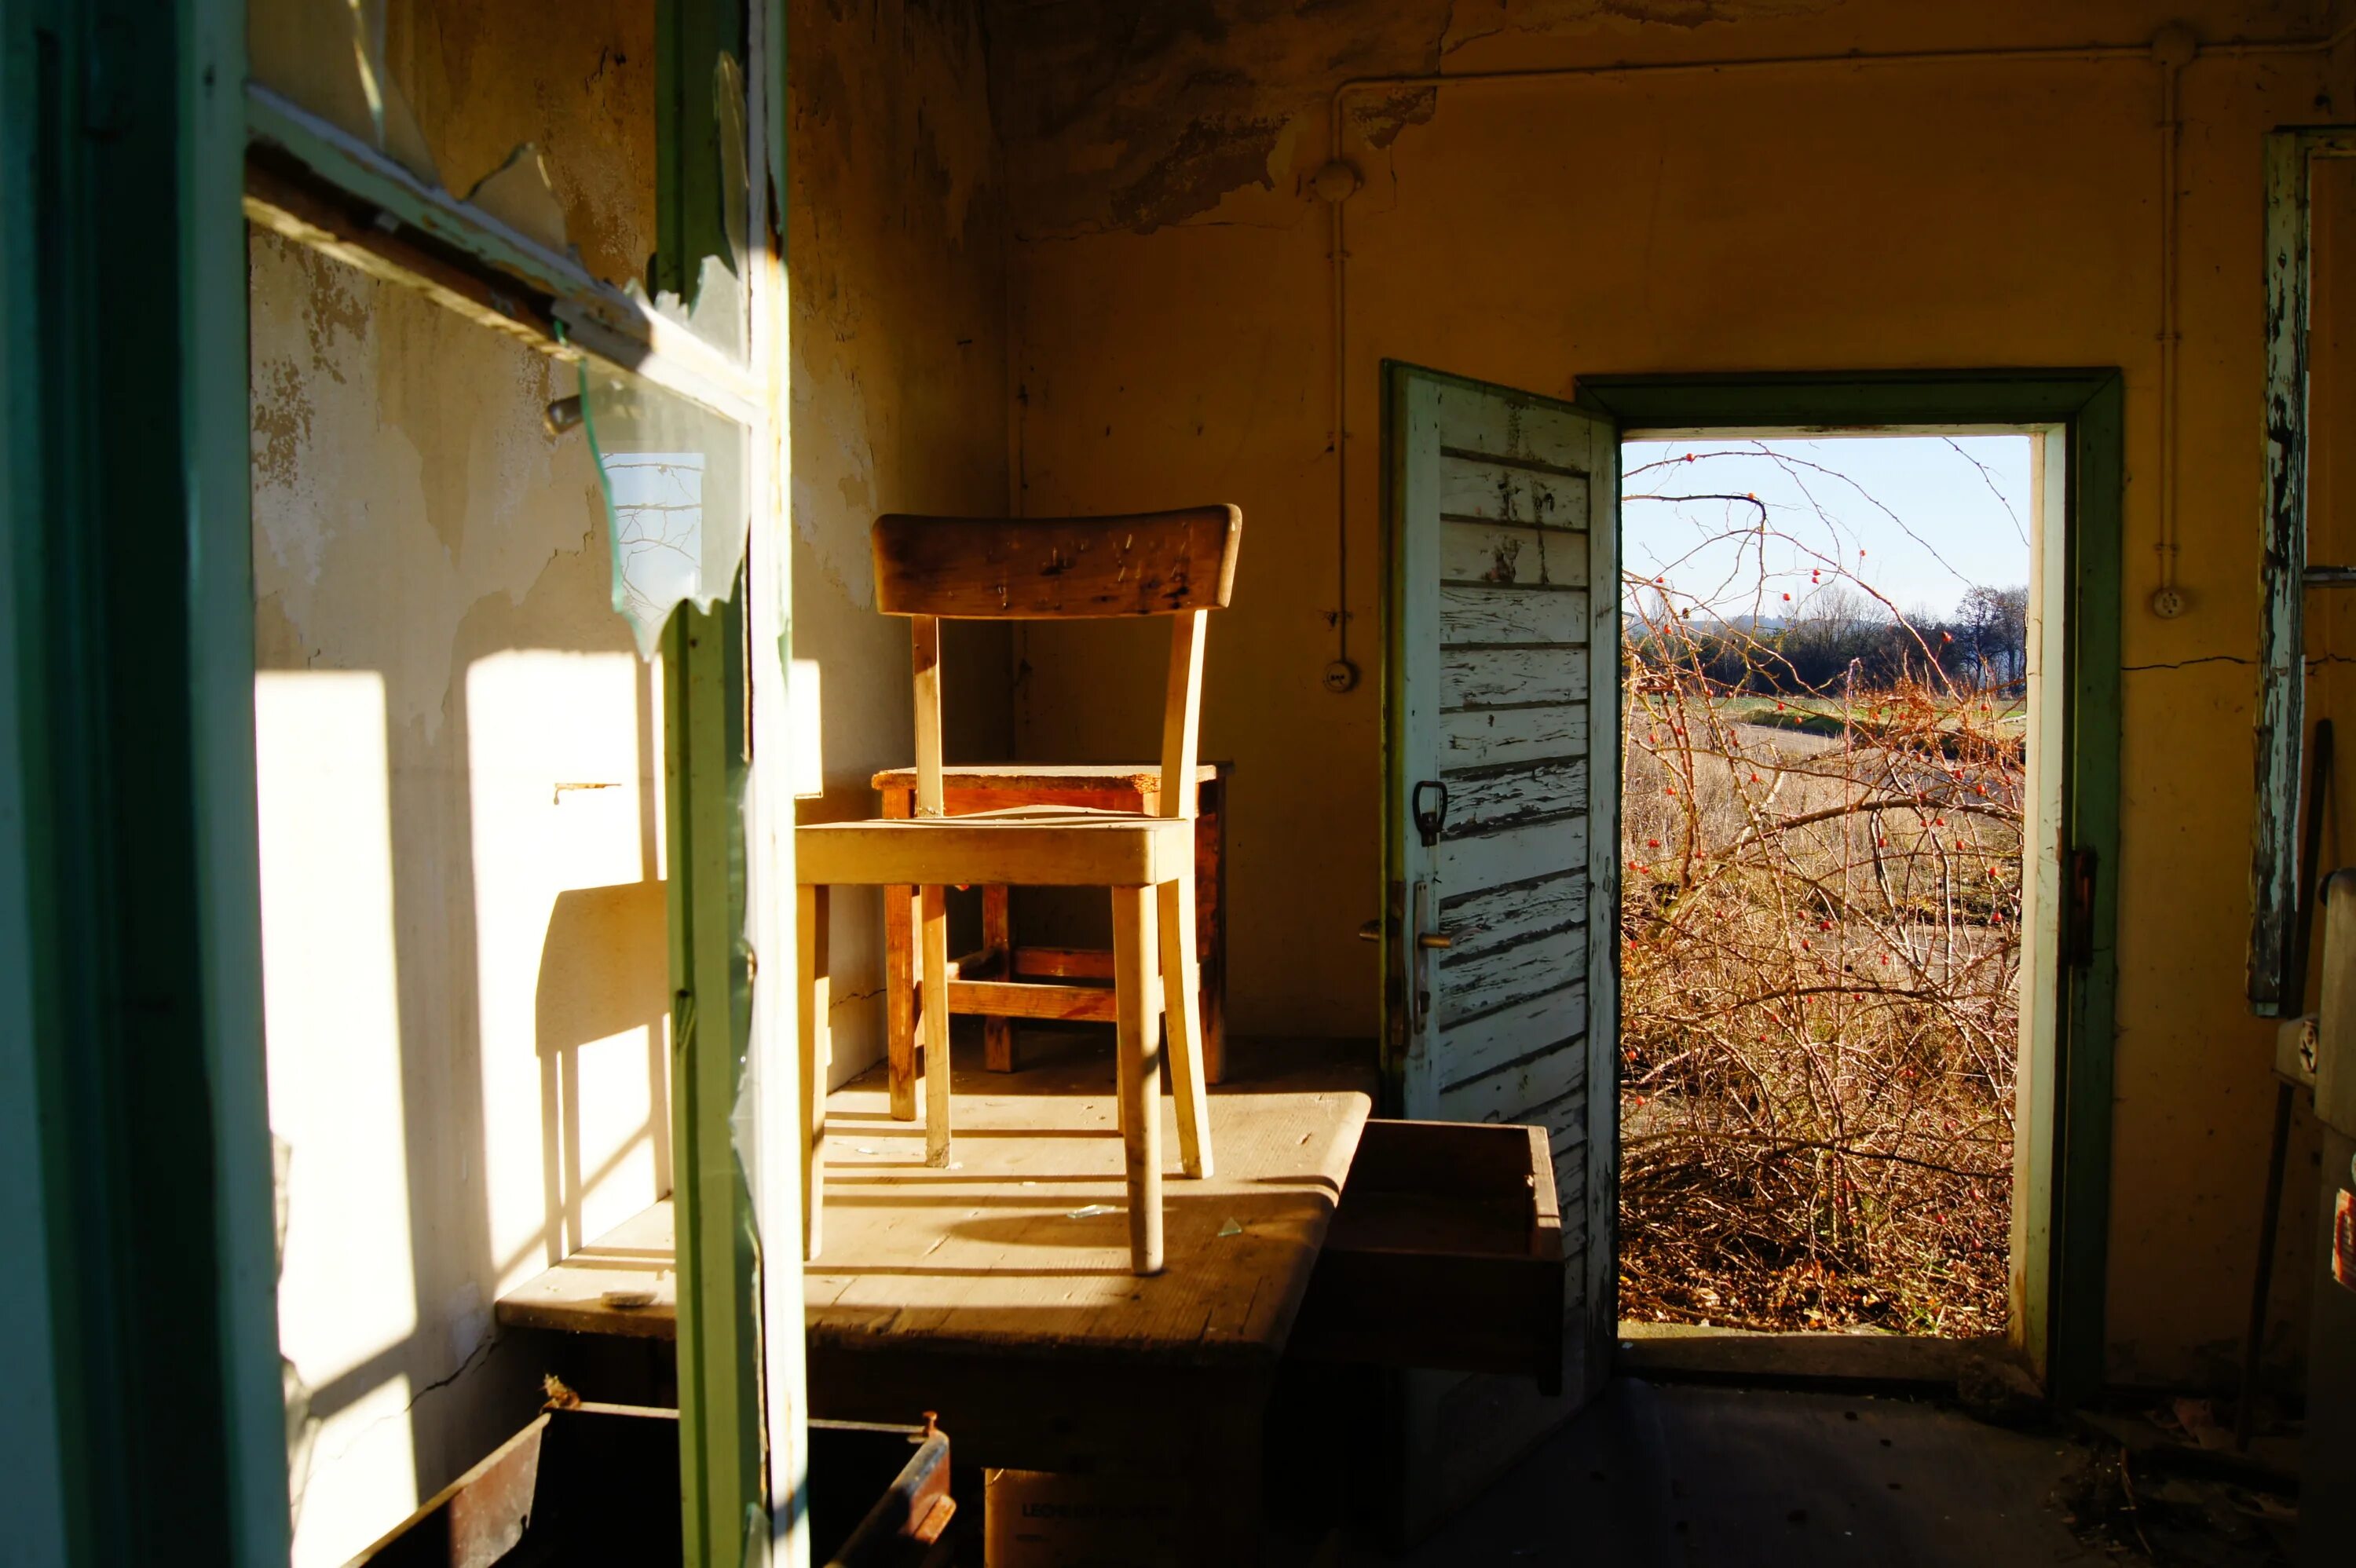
[(1373, 931), (1429, 819), (1418, 966)]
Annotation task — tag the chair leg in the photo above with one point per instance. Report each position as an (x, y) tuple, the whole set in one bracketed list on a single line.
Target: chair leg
[(934, 1021), (997, 932), (1182, 1005), (1139, 1074), (900, 1001), (814, 992)]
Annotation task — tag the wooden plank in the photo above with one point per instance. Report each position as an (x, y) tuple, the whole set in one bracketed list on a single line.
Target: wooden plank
[(1478, 486), (1148, 563), (1447, 1253), (1509, 1092), (1515, 912), (1502, 554), (960, 1269), (1511, 678), (1488, 738), (1483, 802), (1571, 1185), (1565, 1123), (1512, 615), (1064, 963), (1485, 980), (1027, 777), (1515, 855), (1498, 420), (1501, 1037), (1000, 999), (1044, 850)]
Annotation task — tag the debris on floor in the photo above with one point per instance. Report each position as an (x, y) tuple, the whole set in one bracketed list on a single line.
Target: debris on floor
[(2168, 1485)]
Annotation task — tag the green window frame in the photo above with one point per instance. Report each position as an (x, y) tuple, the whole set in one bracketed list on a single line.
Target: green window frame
[(134, 1147)]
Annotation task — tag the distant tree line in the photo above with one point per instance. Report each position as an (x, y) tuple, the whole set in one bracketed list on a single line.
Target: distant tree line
[(1983, 645)]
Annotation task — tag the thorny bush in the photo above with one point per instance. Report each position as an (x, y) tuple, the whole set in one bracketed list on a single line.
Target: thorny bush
[(1820, 928)]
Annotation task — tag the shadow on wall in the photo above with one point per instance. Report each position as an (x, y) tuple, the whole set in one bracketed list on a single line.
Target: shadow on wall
[(605, 973)]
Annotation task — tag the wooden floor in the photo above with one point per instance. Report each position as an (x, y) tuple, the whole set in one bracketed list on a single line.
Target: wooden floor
[(1022, 1240)]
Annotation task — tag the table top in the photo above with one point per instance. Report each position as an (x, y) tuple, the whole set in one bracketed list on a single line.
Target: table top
[(1023, 1244), (1116, 777)]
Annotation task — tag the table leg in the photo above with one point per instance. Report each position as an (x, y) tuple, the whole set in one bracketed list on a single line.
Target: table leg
[(998, 935), (900, 1001), (1211, 917)]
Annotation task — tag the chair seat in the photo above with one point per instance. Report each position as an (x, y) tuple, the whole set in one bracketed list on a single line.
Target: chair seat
[(1031, 847)]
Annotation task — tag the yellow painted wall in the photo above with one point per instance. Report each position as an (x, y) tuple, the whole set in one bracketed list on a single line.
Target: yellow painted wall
[(896, 255), (1174, 340)]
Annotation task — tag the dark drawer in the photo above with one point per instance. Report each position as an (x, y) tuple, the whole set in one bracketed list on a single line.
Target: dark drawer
[(1446, 1252), (599, 1483)]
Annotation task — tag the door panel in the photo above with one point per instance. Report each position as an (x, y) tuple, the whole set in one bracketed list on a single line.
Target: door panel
[(1502, 690)]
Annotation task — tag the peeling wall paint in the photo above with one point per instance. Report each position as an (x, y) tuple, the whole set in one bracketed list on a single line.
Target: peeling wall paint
[(466, 971), (896, 252), (483, 79), (1178, 348)]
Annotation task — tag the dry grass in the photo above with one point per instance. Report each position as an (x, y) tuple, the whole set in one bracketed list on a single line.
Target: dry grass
[(1820, 955)]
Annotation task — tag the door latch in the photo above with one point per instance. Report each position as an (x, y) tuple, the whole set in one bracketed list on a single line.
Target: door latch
[(1429, 819)]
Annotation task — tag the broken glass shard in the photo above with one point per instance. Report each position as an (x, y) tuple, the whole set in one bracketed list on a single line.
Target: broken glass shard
[(678, 498)]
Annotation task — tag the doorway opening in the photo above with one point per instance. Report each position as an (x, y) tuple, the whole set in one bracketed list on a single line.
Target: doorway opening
[(1829, 935)]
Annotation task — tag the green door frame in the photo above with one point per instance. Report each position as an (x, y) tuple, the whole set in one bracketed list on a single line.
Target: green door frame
[(145, 1422), (2088, 406)]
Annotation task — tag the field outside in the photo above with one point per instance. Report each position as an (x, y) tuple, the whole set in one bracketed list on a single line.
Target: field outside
[(1820, 929)]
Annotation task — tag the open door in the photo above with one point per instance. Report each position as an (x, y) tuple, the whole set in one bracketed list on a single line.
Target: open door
[(1502, 752)]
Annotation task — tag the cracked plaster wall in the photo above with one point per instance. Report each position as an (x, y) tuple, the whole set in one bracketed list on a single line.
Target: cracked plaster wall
[(465, 970), (898, 254), (1173, 342)]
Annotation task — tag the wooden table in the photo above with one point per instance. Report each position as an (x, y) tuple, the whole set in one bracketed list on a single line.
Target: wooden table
[(998, 1291), (991, 982)]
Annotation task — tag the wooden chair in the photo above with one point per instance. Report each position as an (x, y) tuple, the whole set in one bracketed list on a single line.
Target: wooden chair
[(1180, 564)]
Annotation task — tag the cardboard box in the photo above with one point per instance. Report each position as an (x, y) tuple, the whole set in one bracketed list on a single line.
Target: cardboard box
[(1035, 1519)]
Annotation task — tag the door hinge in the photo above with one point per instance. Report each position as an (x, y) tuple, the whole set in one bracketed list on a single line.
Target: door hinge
[(2078, 922)]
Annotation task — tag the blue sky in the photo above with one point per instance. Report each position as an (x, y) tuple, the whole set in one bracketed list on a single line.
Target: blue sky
[(1932, 515)]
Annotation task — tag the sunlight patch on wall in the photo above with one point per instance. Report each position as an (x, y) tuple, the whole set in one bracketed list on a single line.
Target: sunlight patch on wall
[(570, 955)]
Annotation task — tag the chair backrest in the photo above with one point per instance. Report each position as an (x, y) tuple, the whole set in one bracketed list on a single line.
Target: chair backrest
[(1181, 564)]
